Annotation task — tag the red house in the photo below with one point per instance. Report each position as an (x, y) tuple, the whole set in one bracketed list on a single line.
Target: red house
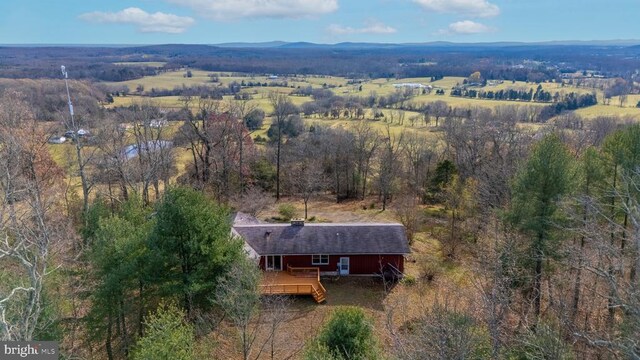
[(344, 249)]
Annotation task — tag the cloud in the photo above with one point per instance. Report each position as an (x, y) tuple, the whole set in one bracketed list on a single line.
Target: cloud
[(145, 22), (237, 9), (466, 27), (371, 27), (472, 8)]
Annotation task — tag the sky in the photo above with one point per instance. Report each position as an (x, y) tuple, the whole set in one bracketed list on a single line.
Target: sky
[(319, 21)]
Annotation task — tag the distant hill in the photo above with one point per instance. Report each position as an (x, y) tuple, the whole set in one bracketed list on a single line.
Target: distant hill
[(255, 45), (432, 44)]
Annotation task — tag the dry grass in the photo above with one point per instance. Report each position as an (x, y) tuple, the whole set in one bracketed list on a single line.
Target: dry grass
[(325, 209), (609, 110)]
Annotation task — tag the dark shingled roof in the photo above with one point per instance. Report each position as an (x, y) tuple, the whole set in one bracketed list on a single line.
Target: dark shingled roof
[(361, 238)]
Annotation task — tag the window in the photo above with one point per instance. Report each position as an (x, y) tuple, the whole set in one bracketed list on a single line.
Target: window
[(320, 259), (274, 262)]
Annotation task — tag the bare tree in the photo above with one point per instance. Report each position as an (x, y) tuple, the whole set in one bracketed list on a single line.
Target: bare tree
[(419, 152), (366, 143), (389, 165), (253, 201), (623, 99), (282, 108), (495, 272), (306, 174), (240, 110), (238, 297), (406, 209), (30, 222)]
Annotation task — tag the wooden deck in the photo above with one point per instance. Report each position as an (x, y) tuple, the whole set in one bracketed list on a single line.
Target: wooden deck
[(294, 281)]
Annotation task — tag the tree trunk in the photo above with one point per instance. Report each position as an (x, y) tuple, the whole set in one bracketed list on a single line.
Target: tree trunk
[(140, 308), (578, 285), (107, 343), (537, 287), (83, 181), (278, 162)]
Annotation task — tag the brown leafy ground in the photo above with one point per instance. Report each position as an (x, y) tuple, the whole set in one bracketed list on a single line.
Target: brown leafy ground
[(325, 209)]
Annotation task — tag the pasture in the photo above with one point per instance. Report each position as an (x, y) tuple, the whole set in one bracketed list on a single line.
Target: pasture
[(361, 88)]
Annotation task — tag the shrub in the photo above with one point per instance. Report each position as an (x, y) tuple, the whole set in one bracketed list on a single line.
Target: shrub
[(444, 333), (545, 343), (254, 119), (287, 212), (168, 336), (409, 280), (347, 335)]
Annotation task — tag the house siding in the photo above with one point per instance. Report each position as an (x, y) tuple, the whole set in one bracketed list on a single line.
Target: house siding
[(358, 264)]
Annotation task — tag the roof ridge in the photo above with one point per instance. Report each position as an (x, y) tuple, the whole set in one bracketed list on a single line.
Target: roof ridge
[(318, 224)]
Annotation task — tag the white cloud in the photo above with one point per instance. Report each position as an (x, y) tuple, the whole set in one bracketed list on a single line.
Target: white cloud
[(465, 27), (236, 9), (473, 8), (145, 22), (371, 27)]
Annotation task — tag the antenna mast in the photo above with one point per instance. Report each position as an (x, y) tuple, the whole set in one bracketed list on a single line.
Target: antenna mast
[(66, 83)]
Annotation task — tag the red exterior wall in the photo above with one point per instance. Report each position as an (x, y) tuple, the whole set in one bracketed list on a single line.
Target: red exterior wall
[(358, 264)]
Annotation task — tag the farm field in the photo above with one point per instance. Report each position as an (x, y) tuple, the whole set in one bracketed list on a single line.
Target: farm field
[(340, 86), (609, 110), (171, 79)]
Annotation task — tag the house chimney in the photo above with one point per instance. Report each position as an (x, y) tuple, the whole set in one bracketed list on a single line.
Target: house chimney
[(267, 235), (297, 222)]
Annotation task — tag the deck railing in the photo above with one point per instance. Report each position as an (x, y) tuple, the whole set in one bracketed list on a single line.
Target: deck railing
[(287, 289), (304, 271), (316, 289)]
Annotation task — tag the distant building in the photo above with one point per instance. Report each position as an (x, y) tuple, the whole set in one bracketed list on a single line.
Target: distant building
[(81, 133), (412, 86), (57, 140), (133, 150), (158, 123)]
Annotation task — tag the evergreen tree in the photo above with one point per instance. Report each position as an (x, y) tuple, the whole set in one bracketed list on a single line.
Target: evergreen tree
[(539, 185), (168, 337), (347, 335), (191, 246), (118, 262)]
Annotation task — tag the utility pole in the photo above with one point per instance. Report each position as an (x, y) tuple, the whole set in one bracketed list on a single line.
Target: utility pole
[(76, 139)]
